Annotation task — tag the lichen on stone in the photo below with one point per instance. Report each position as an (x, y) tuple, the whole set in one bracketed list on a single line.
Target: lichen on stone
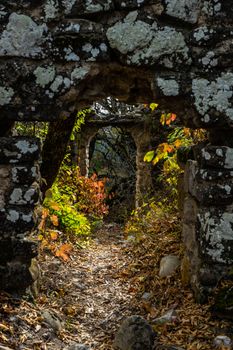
[(93, 7), (68, 5), (6, 94), (169, 87), (25, 146), (186, 10), (218, 233), (51, 9), (22, 37), (13, 216), (215, 94), (145, 43), (202, 34), (71, 56), (79, 73), (209, 60), (58, 81), (44, 75)]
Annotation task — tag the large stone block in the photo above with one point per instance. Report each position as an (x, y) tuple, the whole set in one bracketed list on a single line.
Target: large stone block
[(19, 150), (22, 250), (16, 220), (15, 276), (25, 175), (214, 157), (26, 196), (215, 235)]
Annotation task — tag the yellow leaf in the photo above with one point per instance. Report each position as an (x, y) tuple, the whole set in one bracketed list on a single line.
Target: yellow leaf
[(53, 235), (163, 119), (157, 159), (153, 106), (149, 156)]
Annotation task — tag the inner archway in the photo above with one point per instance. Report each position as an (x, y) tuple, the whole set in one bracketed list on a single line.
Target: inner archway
[(112, 155)]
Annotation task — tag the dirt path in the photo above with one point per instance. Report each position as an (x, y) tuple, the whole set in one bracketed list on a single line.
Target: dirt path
[(86, 299)]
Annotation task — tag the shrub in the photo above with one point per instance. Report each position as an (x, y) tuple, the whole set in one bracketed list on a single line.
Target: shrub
[(87, 195)]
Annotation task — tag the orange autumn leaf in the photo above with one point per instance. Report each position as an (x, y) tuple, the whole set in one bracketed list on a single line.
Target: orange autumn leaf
[(186, 131), (45, 213), (166, 148), (54, 220), (64, 252), (177, 143), (171, 117), (55, 206)]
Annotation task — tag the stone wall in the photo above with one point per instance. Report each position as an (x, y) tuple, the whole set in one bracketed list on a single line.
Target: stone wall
[(208, 217), (19, 192), (58, 55)]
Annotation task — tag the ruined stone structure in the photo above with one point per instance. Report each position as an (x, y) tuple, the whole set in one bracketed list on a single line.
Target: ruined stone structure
[(59, 55), (135, 124)]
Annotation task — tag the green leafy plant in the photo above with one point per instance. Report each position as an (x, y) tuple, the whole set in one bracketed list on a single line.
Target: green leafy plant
[(68, 218)]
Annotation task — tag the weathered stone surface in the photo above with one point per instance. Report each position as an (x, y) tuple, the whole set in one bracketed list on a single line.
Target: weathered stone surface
[(214, 156), (52, 320), (19, 150), (15, 276), (134, 334), (216, 234), (128, 32), (24, 195), (16, 220), (13, 248), (222, 341), (19, 192), (223, 305), (168, 265), (77, 347), (25, 175)]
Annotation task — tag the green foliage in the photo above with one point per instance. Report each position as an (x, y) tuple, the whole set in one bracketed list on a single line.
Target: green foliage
[(37, 129), (80, 120), (69, 219)]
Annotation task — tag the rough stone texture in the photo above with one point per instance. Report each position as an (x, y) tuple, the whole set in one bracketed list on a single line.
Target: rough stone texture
[(19, 192), (168, 265), (134, 334), (57, 56), (207, 229)]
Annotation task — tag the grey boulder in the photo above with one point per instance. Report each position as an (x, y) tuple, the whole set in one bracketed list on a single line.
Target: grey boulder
[(134, 334)]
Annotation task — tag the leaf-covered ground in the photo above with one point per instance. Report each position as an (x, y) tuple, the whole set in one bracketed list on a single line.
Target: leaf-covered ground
[(88, 297)]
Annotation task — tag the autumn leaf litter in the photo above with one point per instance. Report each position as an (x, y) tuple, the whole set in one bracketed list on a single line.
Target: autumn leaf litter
[(85, 299)]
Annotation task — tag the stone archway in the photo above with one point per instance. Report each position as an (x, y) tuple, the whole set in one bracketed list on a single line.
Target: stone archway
[(141, 134), (57, 56)]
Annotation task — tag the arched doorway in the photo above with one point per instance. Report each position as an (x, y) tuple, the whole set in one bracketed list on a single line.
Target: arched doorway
[(112, 155)]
